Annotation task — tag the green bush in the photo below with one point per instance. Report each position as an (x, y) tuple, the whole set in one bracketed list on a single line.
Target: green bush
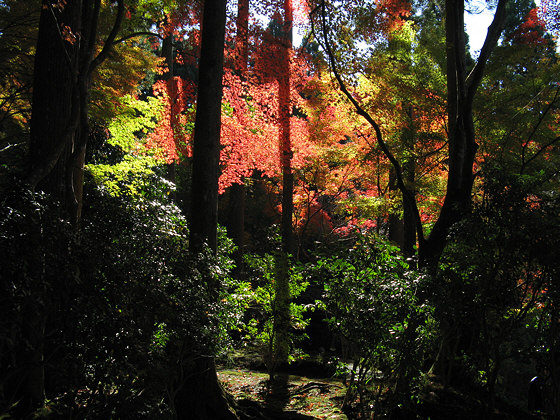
[(496, 293), (126, 308), (374, 302), (258, 296)]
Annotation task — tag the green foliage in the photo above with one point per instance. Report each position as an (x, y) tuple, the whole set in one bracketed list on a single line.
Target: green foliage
[(374, 301), (496, 289), (128, 132), (257, 297), (127, 309)]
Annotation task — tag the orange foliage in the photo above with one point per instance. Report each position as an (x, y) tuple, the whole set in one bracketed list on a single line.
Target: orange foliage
[(531, 31), (171, 135)]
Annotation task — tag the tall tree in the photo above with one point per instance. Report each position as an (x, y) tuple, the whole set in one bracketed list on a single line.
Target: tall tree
[(236, 217), (64, 63), (206, 145), (461, 90), (281, 341), (201, 395)]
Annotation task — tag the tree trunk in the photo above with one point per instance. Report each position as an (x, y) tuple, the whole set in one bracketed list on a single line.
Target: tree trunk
[(55, 104), (284, 112), (55, 95), (64, 62), (461, 90), (236, 222), (167, 76), (237, 193), (200, 395), (409, 172), (206, 145), (281, 334), (402, 230), (396, 225)]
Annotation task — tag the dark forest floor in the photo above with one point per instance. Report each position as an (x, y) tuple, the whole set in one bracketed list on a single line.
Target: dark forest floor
[(288, 396), (306, 390), (295, 397)]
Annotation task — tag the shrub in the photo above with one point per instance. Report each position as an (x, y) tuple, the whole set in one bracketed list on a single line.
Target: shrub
[(125, 307), (374, 301)]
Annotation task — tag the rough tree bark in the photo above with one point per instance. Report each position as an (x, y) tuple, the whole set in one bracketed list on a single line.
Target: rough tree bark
[(236, 216), (64, 62), (200, 395), (282, 323), (206, 145)]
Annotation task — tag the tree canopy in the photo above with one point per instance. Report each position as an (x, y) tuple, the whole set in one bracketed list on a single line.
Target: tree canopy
[(389, 201)]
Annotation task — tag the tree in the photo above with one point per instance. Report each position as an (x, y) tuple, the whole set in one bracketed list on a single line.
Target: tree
[(201, 395), (59, 130), (462, 87), (282, 321), (461, 90), (64, 64), (236, 216), (74, 39)]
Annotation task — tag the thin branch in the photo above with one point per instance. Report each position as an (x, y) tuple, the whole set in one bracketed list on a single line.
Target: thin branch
[(136, 34), (492, 37), (108, 46), (434, 152), (542, 116), (407, 195), (9, 146), (542, 149)]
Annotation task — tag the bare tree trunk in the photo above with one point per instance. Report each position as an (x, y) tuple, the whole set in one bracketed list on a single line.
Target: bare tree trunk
[(461, 90), (236, 221), (402, 230), (54, 97), (206, 145), (237, 193), (281, 340), (409, 171), (200, 395), (55, 113)]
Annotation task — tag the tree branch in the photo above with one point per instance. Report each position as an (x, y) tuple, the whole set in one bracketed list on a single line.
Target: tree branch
[(109, 42), (492, 37), (407, 195), (135, 34), (537, 154)]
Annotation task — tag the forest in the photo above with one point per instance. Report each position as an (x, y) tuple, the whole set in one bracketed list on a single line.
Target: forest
[(279, 209)]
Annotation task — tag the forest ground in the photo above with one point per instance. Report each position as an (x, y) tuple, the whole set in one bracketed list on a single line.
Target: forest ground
[(306, 394), (288, 396)]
